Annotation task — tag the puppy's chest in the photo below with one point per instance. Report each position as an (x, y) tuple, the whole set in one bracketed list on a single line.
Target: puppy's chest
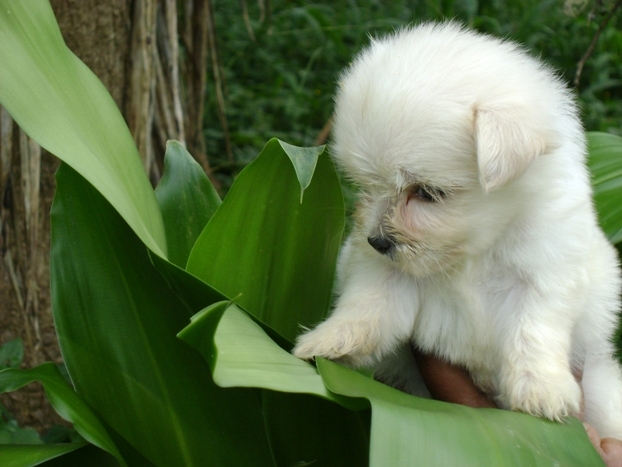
[(457, 322)]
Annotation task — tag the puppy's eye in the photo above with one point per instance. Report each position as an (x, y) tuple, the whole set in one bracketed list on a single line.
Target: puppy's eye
[(427, 194), (424, 195)]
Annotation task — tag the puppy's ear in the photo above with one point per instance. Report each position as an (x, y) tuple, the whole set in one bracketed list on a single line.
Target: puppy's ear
[(507, 139)]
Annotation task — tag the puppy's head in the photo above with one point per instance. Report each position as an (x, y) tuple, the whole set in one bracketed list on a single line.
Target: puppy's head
[(441, 129)]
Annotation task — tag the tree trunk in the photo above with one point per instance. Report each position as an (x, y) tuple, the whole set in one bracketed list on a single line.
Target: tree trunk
[(132, 46)]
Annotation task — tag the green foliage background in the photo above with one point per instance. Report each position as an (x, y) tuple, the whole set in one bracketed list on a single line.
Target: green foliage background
[(282, 83)]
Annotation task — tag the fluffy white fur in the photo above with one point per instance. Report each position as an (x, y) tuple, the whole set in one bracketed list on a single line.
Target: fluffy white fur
[(470, 160)]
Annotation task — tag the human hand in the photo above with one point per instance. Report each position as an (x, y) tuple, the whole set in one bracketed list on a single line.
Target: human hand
[(450, 383)]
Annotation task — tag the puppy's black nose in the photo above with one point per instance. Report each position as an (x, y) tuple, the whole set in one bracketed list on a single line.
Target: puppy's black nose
[(381, 244)]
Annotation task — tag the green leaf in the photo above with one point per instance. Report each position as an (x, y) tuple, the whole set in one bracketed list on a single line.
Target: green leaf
[(62, 105), (605, 162), (408, 430), (271, 253), (65, 401), (193, 292), (187, 200), (88, 455), (117, 319), (245, 356), (241, 354), (301, 428), (304, 161), (307, 430), (11, 354), (10, 433), (26, 456)]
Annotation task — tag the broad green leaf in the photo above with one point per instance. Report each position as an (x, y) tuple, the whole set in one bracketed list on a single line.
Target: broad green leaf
[(64, 400), (117, 320), (87, 456), (301, 428), (304, 161), (307, 430), (187, 200), (27, 456), (62, 105), (605, 162), (408, 430), (241, 354), (193, 292), (271, 253)]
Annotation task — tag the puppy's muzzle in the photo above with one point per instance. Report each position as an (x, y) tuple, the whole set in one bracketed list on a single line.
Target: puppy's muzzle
[(383, 245)]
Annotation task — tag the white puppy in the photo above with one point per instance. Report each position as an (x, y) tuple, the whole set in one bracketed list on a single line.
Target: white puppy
[(475, 237)]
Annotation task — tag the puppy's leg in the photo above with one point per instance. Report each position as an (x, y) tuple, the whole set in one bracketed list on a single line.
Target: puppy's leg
[(534, 342), (374, 312), (602, 374), (602, 390)]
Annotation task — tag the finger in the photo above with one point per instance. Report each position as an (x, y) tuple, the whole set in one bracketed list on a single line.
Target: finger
[(609, 449), (611, 452)]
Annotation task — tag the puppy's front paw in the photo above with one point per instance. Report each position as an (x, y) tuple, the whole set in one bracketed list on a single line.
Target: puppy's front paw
[(553, 395), (352, 342)]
